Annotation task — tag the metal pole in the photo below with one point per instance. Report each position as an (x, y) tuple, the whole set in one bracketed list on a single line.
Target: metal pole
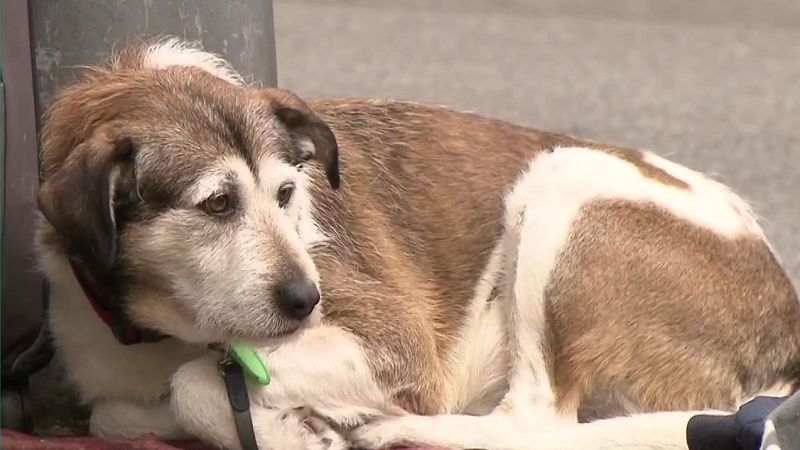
[(70, 33), (64, 35)]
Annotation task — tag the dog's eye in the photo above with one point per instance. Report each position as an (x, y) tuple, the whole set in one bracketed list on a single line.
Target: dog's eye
[(219, 204), (285, 194)]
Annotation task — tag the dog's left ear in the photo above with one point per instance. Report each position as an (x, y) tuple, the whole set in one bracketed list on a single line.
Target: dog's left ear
[(78, 199), (302, 123)]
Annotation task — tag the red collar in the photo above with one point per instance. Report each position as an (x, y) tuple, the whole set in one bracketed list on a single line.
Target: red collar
[(124, 331)]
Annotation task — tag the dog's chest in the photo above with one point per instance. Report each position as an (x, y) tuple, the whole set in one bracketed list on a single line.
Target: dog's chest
[(96, 362)]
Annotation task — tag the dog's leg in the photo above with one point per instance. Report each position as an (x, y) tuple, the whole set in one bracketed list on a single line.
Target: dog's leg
[(530, 403), (324, 368), (656, 431), (121, 419), (537, 228), (319, 379), (200, 403)]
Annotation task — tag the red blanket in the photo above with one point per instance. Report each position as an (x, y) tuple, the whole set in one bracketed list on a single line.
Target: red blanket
[(11, 440)]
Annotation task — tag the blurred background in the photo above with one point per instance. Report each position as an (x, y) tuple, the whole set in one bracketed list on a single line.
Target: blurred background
[(714, 84)]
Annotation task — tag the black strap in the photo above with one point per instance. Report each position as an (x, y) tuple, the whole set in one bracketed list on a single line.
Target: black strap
[(235, 384), (712, 432), (743, 430)]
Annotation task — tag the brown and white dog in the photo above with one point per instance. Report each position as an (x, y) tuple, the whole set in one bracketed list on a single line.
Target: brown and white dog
[(480, 281)]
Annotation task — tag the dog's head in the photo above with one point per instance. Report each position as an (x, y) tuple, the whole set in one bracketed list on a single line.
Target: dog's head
[(184, 194)]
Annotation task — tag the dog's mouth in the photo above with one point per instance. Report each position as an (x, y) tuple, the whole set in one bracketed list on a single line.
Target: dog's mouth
[(261, 330), (263, 340)]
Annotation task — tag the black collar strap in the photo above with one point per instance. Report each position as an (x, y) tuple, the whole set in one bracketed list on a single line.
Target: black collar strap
[(235, 384), (124, 331)]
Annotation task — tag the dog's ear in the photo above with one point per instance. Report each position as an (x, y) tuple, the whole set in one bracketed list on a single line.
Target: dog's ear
[(302, 123), (79, 198)]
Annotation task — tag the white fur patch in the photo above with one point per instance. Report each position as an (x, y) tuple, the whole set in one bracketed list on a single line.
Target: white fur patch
[(122, 419), (715, 205), (201, 407), (657, 431), (537, 224), (579, 175), (175, 52), (324, 368), (105, 372), (477, 367)]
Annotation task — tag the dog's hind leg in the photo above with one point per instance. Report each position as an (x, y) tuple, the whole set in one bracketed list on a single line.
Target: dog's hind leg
[(538, 221)]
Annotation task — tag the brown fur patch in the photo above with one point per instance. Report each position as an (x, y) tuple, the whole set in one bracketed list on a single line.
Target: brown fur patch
[(667, 314)]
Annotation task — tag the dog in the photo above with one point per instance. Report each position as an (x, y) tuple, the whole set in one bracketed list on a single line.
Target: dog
[(408, 272)]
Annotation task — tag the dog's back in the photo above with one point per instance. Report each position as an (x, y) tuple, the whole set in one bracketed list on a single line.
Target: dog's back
[(652, 308)]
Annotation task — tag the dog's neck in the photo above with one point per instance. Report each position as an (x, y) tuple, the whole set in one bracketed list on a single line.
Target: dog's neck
[(100, 299), (101, 365)]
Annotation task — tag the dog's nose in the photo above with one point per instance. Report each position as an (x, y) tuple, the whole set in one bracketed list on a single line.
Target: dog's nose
[(297, 297)]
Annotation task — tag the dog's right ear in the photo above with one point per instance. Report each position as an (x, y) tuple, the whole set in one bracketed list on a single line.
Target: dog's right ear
[(301, 121), (78, 198)]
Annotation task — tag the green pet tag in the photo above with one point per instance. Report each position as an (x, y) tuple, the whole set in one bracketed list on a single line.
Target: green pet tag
[(252, 364)]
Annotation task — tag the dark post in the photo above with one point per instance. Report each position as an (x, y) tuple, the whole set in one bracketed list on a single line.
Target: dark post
[(44, 44)]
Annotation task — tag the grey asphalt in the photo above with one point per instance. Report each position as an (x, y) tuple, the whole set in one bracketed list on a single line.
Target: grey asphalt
[(712, 84)]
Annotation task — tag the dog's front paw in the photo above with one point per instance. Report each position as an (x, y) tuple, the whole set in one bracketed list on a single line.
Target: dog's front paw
[(314, 432), (384, 433), (347, 417)]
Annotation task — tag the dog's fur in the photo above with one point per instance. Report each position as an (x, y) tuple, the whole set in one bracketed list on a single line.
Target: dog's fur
[(495, 277)]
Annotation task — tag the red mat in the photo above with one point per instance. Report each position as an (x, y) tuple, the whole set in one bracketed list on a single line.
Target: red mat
[(12, 440)]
